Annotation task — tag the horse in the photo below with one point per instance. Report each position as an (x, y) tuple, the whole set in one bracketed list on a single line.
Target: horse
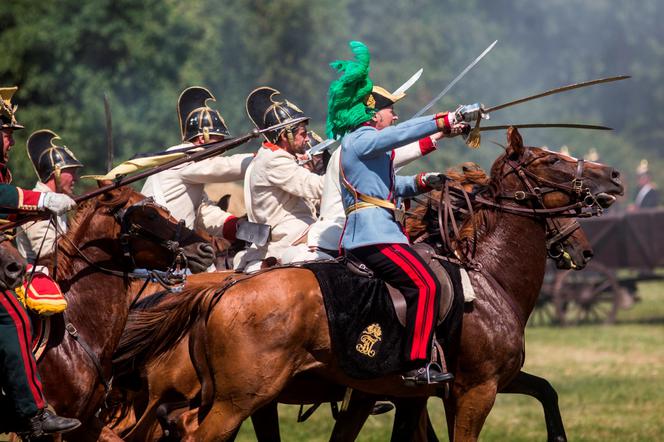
[(12, 265), (108, 238), (169, 381), (263, 331)]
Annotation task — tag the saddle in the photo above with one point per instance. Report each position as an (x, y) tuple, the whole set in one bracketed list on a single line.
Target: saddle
[(398, 300)]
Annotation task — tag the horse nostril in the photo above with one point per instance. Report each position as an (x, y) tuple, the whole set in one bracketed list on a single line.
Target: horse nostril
[(615, 174), (588, 254), (205, 249), (14, 270)]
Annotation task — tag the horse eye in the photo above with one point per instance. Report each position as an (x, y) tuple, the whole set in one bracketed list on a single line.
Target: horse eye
[(553, 160)]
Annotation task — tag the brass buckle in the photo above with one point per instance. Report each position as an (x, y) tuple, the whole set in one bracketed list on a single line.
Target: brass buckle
[(577, 185), (519, 195)]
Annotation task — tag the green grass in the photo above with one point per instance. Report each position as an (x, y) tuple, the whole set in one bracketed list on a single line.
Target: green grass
[(610, 382)]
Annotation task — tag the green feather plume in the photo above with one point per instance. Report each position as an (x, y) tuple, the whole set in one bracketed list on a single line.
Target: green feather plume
[(345, 107)]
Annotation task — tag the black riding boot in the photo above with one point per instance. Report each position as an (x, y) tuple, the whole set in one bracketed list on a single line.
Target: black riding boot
[(45, 422)]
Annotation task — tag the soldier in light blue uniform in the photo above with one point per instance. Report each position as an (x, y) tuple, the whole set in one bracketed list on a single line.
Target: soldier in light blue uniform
[(370, 191)]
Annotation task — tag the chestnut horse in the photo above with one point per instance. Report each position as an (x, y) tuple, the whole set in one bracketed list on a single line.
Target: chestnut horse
[(170, 380), (108, 238), (12, 265), (267, 329)]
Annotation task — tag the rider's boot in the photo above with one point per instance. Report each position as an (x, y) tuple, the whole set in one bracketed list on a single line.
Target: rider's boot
[(45, 422)]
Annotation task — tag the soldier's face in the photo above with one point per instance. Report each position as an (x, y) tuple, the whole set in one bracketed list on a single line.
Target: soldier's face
[(7, 143), (67, 181), (300, 140), (385, 118)]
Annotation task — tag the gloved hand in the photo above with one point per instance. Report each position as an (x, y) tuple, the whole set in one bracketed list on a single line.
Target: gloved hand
[(470, 112), (57, 203), (433, 180)]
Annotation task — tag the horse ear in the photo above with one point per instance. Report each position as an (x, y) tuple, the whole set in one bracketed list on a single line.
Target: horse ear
[(515, 147)]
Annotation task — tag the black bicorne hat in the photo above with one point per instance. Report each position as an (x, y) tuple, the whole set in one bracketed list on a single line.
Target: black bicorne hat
[(196, 118), (265, 110), (8, 109), (48, 157)]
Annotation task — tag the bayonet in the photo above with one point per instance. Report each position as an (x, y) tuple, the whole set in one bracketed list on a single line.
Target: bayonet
[(455, 81)]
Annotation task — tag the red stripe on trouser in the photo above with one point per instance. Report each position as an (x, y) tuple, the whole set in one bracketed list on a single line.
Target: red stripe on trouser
[(427, 291), (430, 301), (20, 319)]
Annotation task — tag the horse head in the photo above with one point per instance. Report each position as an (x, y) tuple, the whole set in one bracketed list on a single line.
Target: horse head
[(12, 265), (537, 176), (143, 233)]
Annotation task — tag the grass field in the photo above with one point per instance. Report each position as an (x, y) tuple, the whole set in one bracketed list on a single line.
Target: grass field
[(610, 381)]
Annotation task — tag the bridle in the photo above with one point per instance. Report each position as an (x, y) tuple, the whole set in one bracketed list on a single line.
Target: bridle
[(583, 203), (130, 231)]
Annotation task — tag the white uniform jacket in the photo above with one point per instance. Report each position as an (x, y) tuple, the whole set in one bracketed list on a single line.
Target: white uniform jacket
[(180, 189), (281, 193), (30, 235)]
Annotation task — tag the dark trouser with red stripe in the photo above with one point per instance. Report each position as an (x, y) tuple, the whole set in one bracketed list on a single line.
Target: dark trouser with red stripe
[(400, 266), (20, 379)]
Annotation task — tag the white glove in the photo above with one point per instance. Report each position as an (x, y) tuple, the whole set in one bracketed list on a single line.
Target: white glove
[(470, 112), (57, 203), (433, 180)]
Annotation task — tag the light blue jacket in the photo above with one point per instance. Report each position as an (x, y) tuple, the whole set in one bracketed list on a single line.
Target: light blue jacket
[(366, 159)]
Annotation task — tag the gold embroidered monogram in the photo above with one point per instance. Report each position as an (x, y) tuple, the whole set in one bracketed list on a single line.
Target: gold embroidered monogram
[(369, 337)]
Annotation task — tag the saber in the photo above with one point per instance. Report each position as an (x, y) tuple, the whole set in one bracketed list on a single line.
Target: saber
[(456, 79), (545, 125), (569, 87), (209, 150), (473, 139), (109, 134), (411, 81)]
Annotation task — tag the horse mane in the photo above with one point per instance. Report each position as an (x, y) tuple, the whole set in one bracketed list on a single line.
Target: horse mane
[(156, 323), (473, 179)]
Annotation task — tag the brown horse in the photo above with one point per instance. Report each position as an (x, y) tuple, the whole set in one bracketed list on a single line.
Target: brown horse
[(12, 265), (170, 380), (109, 236), (264, 331)]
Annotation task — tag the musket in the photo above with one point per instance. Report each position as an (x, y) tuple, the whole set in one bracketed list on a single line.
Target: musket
[(109, 134), (209, 150), (473, 139)]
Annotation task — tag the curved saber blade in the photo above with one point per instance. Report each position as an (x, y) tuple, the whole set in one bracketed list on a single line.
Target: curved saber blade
[(556, 91), (411, 81), (545, 125), (456, 79)]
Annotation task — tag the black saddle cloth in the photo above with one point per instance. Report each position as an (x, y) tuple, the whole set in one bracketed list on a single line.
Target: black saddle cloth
[(366, 334)]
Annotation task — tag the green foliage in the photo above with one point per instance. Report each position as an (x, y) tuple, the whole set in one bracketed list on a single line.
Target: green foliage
[(65, 54)]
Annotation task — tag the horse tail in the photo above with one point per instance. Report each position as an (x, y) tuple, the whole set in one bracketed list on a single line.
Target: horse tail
[(158, 322)]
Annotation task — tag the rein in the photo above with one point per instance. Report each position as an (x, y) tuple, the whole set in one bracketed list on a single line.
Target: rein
[(172, 279)]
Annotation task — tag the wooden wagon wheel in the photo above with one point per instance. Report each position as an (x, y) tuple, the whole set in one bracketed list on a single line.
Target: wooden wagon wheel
[(544, 312), (593, 295)]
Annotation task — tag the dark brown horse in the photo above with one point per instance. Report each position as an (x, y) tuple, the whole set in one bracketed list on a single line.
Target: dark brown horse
[(264, 331), (169, 381), (108, 237), (12, 265)]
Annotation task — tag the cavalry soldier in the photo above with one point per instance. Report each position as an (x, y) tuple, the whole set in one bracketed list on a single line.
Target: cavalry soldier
[(181, 189), (19, 377), (325, 233), (369, 194), (56, 167), (278, 191)]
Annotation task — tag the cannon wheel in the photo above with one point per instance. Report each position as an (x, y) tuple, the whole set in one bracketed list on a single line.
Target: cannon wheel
[(593, 295)]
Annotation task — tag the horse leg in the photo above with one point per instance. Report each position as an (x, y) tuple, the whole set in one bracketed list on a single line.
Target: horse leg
[(541, 389), (266, 423), (410, 420), (350, 421), (472, 408)]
